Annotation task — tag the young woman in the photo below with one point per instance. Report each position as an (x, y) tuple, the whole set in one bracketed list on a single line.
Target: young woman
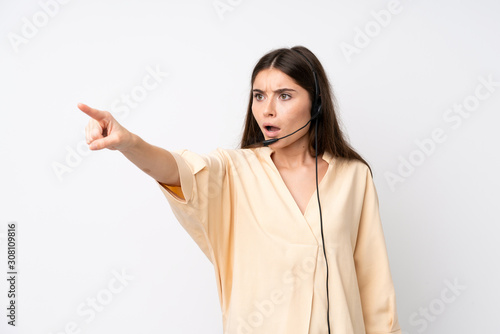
[(284, 262)]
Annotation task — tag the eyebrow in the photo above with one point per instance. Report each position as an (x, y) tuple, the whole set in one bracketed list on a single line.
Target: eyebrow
[(281, 90)]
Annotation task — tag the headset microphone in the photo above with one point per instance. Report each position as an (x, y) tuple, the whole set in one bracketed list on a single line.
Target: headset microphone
[(273, 140)]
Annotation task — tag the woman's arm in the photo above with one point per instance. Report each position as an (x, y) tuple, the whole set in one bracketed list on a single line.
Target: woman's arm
[(103, 131), (376, 288), (154, 161)]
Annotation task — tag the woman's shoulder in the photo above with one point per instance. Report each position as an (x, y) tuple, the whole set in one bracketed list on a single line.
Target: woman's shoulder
[(353, 168)]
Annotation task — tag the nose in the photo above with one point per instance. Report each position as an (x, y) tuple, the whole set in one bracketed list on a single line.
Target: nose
[(269, 108)]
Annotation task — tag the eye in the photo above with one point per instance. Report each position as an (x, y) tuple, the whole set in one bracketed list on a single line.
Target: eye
[(258, 96), (285, 96)]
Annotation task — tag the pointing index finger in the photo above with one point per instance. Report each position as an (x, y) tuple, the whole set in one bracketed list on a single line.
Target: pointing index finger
[(94, 113)]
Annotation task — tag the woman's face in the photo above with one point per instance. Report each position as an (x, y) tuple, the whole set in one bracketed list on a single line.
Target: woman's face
[(280, 106)]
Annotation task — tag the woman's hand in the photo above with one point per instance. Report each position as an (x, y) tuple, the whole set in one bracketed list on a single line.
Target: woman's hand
[(103, 131)]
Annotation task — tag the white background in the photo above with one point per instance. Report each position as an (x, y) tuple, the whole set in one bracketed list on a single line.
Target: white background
[(103, 215)]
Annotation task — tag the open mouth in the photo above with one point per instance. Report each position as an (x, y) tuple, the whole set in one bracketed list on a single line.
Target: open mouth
[(271, 131)]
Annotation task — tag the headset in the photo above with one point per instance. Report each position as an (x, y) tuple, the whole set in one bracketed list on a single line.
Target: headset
[(315, 113)]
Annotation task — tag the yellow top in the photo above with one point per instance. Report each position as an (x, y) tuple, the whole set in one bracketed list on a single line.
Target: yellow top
[(268, 257)]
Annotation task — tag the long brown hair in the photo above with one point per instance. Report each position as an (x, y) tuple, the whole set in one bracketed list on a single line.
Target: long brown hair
[(292, 63)]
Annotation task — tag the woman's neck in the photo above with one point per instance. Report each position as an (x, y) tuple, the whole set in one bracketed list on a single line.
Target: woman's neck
[(293, 156)]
